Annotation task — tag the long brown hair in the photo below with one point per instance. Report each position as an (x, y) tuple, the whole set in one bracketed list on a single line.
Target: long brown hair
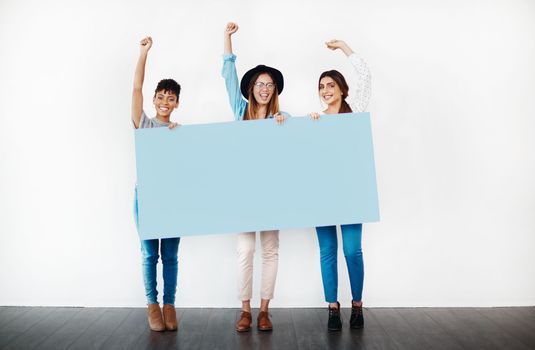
[(252, 105), (342, 84)]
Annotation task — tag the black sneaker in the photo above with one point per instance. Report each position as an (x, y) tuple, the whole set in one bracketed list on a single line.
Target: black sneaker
[(357, 318), (335, 322)]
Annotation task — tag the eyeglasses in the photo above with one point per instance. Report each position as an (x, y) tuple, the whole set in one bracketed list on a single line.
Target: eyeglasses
[(260, 85)]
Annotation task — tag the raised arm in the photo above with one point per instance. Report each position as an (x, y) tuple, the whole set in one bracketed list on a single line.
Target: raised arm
[(230, 29), (237, 103), (139, 76), (360, 95)]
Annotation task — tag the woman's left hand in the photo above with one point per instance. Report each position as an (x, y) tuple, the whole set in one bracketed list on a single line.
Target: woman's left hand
[(280, 118), (314, 116), (339, 44), (173, 125)]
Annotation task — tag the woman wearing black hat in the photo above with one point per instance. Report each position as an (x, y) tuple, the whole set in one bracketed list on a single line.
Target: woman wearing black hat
[(333, 91), (260, 87)]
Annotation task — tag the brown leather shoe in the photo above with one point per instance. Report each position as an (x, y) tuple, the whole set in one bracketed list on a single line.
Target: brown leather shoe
[(244, 323), (155, 318), (263, 322), (169, 317)]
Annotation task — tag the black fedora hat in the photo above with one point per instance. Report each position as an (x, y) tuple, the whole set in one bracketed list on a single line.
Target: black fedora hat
[(275, 73)]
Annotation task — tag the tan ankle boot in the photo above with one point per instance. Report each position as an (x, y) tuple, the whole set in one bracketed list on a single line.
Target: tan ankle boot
[(169, 317), (155, 318)]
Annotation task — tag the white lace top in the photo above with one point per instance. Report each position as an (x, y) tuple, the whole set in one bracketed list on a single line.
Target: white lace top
[(359, 95)]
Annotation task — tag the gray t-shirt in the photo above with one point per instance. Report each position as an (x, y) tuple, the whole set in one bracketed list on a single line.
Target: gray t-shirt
[(146, 122)]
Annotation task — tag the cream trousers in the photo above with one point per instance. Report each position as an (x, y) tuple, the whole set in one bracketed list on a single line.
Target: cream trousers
[(270, 263)]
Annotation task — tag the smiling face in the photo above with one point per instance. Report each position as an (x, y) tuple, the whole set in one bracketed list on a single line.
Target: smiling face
[(263, 89), (165, 102), (329, 91)]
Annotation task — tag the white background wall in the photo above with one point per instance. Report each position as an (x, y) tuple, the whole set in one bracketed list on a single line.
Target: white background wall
[(453, 116)]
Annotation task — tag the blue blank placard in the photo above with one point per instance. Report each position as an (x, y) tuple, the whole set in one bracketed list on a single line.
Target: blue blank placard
[(255, 175)]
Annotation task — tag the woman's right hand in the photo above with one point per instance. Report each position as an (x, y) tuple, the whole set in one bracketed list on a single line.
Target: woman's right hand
[(231, 28), (145, 44), (280, 118), (314, 116)]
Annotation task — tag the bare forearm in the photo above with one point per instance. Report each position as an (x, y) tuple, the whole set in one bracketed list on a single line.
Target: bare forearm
[(227, 49), (230, 29), (139, 76), (347, 50)]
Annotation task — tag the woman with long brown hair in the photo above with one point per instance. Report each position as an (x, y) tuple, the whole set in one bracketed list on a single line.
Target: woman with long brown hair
[(260, 88), (333, 91)]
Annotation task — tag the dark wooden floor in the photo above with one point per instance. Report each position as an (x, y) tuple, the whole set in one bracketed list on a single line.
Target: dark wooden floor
[(398, 328)]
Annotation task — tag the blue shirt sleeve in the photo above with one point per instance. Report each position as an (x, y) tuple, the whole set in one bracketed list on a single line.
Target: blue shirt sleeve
[(237, 103)]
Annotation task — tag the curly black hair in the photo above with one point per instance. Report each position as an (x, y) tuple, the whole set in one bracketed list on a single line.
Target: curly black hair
[(168, 85)]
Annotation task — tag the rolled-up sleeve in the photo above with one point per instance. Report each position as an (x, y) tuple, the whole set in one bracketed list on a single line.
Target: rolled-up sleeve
[(237, 103)]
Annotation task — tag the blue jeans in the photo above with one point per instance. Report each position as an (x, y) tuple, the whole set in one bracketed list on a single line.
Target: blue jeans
[(328, 241), (169, 250)]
